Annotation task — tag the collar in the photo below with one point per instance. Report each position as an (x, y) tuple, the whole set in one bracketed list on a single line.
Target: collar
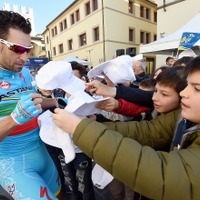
[(6, 73)]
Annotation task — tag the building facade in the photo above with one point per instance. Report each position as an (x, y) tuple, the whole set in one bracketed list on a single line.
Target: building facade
[(99, 30)]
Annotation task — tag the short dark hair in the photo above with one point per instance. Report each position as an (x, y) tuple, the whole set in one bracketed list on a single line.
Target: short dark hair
[(183, 61), (193, 65), (173, 77), (168, 58), (160, 68), (81, 68), (148, 83), (9, 19)]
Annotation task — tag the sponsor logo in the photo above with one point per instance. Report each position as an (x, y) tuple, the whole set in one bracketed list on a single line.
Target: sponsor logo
[(14, 92), (4, 85)]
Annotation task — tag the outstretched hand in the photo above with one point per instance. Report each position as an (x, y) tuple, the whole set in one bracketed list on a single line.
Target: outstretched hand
[(108, 105), (100, 89)]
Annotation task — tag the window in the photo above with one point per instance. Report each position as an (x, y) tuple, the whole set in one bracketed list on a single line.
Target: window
[(72, 19), (131, 35), (154, 37), (70, 44), (52, 32), (155, 16), (61, 26), (147, 38), (87, 8), (147, 14), (77, 15), (131, 7), (94, 5), (61, 49), (65, 23), (82, 39), (54, 51), (55, 30), (47, 40), (144, 37), (144, 12), (96, 33)]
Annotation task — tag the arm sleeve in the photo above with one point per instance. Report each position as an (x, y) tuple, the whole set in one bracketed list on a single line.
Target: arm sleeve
[(129, 109), (135, 95), (154, 174)]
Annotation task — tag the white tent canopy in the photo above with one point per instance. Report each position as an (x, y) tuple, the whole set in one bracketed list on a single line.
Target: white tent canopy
[(170, 43), (78, 60)]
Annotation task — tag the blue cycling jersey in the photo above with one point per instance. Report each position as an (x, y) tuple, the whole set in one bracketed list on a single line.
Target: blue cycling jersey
[(26, 169), (12, 86)]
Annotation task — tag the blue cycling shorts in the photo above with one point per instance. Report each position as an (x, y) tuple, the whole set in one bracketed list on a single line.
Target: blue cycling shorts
[(30, 176)]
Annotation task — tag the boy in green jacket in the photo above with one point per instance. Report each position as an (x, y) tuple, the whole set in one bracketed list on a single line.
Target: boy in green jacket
[(126, 149)]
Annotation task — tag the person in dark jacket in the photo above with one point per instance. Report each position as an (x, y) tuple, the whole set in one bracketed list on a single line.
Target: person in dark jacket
[(139, 68)]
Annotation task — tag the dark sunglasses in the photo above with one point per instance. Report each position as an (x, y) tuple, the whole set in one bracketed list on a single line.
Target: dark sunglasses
[(17, 48)]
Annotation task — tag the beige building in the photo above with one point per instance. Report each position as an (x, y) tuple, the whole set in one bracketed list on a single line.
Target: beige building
[(172, 15), (38, 50), (99, 30)]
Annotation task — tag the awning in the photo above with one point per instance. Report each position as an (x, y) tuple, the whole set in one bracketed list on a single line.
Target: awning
[(170, 43)]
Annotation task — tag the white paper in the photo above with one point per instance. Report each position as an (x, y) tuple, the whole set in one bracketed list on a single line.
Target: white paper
[(82, 104), (54, 136)]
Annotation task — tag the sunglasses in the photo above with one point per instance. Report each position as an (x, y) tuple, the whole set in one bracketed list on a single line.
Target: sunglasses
[(17, 48)]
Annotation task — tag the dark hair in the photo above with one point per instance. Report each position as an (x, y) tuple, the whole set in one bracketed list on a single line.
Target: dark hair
[(183, 61), (169, 58), (193, 65), (9, 19), (148, 83), (81, 68), (160, 68), (173, 77)]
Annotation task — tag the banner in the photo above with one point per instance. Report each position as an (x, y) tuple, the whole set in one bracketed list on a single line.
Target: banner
[(188, 40)]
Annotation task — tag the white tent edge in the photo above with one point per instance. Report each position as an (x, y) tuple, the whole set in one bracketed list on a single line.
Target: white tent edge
[(170, 43)]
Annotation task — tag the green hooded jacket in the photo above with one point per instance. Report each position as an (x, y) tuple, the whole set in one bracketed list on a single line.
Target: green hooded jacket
[(126, 150)]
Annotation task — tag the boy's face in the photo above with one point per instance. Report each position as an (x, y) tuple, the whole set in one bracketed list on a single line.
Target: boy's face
[(165, 99), (190, 102)]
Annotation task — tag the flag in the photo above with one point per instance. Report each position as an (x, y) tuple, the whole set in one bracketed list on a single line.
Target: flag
[(188, 39)]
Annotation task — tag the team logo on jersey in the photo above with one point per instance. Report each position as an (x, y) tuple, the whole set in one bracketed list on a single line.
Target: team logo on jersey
[(4, 85)]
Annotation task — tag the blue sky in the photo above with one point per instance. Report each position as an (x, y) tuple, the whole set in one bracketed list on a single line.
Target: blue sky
[(44, 11)]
